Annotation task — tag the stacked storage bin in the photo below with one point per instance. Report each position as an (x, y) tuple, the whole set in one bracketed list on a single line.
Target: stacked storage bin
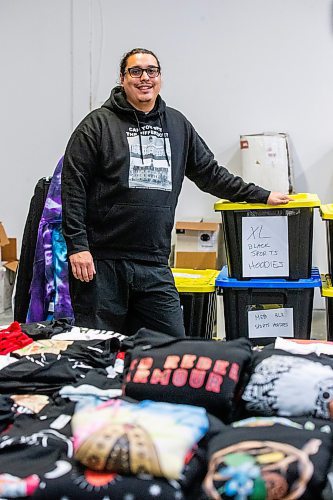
[(327, 293), (326, 212), (269, 285), (198, 300)]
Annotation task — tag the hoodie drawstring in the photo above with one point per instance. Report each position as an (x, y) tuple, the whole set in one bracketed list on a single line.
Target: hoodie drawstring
[(140, 140), (164, 141)]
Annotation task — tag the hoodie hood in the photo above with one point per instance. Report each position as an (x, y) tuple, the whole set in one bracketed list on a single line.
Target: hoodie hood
[(118, 103)]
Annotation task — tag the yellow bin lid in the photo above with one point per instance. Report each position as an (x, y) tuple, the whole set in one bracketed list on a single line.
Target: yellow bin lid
[(326, 285), (299, 200), (195, 280), (326, 211)]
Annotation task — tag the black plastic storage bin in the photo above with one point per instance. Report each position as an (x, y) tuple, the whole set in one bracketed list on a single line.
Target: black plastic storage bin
[(259, 259), (326, 212), (197, 295), (327, 293), (255, 307)]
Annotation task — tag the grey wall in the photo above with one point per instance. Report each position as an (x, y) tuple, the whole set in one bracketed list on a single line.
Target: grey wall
[(231, 66)]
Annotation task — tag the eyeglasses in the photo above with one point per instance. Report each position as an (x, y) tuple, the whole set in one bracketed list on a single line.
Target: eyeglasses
[(137, 72)]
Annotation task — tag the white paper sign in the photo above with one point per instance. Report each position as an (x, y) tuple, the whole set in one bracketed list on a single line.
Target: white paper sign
[(265, 246), (271, 323)]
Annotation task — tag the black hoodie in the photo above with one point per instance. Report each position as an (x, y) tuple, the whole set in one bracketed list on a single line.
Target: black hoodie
[(122, 175)]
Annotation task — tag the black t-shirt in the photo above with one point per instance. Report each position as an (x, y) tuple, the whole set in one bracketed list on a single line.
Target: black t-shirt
[(199, 372), (270, 458)]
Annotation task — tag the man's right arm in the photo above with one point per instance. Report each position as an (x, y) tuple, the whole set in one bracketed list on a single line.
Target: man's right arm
[(78, 169)]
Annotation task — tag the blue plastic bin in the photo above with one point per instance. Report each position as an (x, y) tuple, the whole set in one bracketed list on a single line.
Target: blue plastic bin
[(263, 309)]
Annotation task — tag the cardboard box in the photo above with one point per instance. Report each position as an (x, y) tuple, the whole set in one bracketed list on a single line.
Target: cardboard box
[(8, 268), (266, 161), (198, 245), (2, 288), (3, 237)]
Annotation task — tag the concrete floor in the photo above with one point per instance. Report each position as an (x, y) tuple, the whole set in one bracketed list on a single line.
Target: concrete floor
[(318, 326), (6, 317)]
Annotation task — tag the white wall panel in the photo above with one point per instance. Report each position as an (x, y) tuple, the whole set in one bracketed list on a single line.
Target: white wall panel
[(231, 66)]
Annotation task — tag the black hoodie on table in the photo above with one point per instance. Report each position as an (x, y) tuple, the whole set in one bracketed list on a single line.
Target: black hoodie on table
[(122, 175)]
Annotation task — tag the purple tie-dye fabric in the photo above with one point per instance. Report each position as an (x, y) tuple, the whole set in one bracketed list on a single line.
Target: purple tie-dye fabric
[(49, 289)]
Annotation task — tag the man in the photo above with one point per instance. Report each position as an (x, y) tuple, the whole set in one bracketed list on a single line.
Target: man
[(123, 171)]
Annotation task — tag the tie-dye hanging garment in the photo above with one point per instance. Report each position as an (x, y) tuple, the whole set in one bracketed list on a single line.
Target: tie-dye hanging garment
[(49, 290)]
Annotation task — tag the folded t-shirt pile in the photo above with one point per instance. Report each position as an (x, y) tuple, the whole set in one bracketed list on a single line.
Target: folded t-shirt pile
[(93, 414)]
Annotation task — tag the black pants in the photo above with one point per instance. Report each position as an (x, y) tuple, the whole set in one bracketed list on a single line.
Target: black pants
[(127, 295)]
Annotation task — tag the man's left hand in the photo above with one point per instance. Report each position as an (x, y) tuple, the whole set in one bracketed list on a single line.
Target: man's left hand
[(276, 198)]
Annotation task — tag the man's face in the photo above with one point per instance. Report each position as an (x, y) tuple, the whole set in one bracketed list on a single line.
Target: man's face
[(141, 92)]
